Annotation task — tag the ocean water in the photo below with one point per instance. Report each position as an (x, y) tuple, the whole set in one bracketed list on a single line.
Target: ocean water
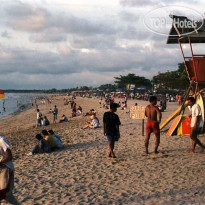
[(14, 102)]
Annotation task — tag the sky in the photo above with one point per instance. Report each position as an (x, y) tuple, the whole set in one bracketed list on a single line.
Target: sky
[(68, 43)]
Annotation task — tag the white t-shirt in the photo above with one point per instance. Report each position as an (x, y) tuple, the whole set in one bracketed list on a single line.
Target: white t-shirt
[(39, 115), (94, 123), (4, 145), (195, 112)]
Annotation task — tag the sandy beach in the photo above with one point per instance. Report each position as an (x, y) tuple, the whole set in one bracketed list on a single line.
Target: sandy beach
[(82, 173)]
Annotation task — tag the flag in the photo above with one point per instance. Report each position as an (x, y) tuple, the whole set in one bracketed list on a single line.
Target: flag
[(2, 94)]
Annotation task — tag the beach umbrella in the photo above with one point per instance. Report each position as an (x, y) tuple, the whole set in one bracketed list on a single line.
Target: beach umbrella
[(2, 94)]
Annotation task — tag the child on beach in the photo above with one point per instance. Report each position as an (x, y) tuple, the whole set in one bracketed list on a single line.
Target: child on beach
[(154, 116), (111, 124)]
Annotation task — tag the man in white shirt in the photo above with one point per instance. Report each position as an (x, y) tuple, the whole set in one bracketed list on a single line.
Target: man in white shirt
[(6, 172), (39, 115), (197, 124)]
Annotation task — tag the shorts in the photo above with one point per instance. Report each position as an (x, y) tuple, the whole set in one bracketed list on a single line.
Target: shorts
[(112, 138), (152, 126), (55, 117)]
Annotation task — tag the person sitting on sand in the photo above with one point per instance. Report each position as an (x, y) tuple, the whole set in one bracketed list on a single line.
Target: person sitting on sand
[(73, 114), (197, 125), (90, 112), (56, 138), (92, 123), (51, 141), (45, 121), (111, 124), (80, 110), (63, 119), (42, 147), (154, 116), (124, 106), (88, 123), (6, 173)]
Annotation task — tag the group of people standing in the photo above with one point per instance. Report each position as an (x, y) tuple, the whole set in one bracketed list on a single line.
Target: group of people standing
[(111, 124)]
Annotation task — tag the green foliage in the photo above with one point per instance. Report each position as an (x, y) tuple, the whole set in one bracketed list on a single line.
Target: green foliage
[(107, 86), (172, 79), (131, 79)]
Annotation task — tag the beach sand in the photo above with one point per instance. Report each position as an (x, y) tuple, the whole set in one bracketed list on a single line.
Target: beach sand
[(82, 173)]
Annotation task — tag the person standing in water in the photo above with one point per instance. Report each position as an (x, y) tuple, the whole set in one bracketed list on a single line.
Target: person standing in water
[(154, 116)]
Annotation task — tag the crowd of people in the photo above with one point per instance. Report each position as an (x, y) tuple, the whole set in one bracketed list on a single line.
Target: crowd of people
[(48, 141)]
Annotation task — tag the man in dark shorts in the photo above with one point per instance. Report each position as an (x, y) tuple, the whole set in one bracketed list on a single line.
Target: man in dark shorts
[(111, 124), (154, 116), (197, 124)]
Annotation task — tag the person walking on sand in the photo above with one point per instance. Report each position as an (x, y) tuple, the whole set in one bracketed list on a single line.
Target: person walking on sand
[(196, 125), (55, 114), (6, 173), (111, 124), (154, 116)]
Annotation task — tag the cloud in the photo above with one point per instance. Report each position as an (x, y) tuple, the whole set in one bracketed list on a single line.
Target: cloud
[(50, 49), (27, 18), (5, 34), (136, 2), (146, 3), (51, 35)]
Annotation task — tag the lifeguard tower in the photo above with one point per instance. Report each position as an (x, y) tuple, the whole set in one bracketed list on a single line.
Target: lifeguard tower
[(185, 31)]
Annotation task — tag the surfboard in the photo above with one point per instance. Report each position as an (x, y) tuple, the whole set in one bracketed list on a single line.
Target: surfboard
[(174, 126)]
